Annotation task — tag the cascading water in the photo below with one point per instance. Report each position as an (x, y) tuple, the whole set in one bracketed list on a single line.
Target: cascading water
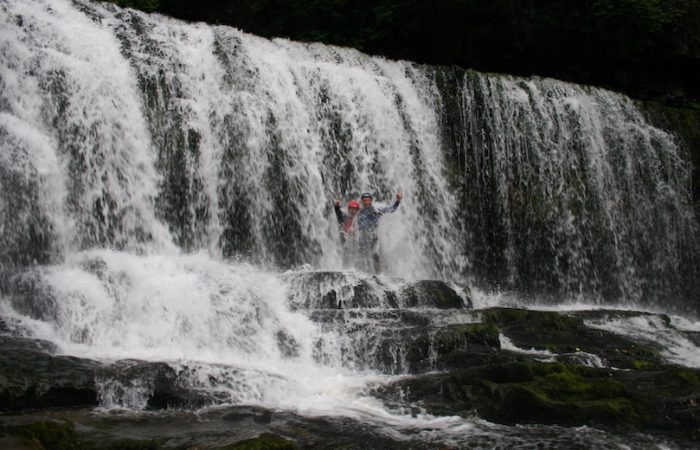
[(568, 189), (158, 179), (129, 139)]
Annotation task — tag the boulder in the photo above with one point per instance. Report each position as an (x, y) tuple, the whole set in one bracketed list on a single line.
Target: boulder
[(351, 290), (32, 378), (432, 294)]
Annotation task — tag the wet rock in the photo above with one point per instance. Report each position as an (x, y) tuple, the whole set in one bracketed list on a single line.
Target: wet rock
[(581, 388), (38, 433), (148, 385), (242, 413), (445, 347), (391, 346), (50, 434), (236, 427), (339, 290), (349, 290), (287, 344), (553, 393), (567, 334), (32, 378), (265, 441), (432, 294)]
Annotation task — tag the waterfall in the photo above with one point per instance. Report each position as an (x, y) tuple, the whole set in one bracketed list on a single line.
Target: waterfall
[(142, 133), (569, 189), (165, 185)]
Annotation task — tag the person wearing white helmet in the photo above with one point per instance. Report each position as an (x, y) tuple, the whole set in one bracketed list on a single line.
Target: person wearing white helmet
[(367, 223)]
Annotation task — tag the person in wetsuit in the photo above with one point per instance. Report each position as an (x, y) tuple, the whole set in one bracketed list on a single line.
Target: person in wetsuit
[(367, 223), (348, 230)]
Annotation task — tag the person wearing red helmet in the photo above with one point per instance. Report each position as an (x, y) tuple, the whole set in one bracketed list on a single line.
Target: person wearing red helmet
[(348, 231), (346, 221)]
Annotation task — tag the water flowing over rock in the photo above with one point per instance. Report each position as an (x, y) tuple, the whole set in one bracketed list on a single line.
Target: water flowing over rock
[(160, 135), (168, 241)]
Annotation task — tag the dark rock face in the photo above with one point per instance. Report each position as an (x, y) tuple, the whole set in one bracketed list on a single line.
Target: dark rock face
[(31, 378)]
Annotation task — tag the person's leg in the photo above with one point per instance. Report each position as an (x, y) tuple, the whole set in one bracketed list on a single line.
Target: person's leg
[(375, 257), (364, 254)]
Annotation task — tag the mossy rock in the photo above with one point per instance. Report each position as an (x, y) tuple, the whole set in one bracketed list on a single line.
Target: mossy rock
[(562, 394), (263, 442), (526, 404), (567, 334), (687, 378), (454, 337), (46, 435), (61, 435), (543, 321), (572, 395), (429, 348)]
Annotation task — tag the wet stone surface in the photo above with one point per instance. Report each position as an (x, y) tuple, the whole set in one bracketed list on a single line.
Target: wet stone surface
[(486, 369)]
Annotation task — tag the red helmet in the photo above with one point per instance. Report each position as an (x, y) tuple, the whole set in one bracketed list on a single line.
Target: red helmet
[(353, 204)]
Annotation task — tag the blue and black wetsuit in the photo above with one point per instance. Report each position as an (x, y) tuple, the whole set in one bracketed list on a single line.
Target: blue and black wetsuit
[(367, 223)]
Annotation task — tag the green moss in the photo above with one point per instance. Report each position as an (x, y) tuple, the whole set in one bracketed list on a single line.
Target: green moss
[(48, 435), (687, 378), (453, 337), (561, 393), (639, 364), (478, 331), (535, 320), (569, 384), (263, 442)]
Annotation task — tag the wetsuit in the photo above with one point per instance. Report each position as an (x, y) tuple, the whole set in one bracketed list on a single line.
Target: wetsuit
[(367, 223), (349, 237), (345, 221)]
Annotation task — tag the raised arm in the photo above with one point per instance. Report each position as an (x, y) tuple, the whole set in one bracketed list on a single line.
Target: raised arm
[(338, 213), (394, 207)]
